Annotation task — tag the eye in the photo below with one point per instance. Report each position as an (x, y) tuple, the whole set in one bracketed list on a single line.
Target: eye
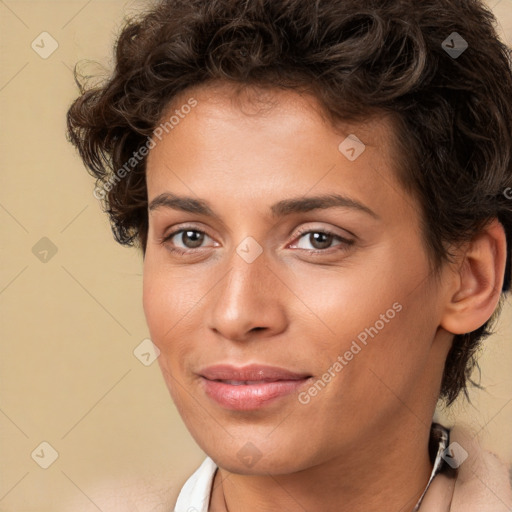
[(191, 239), (321, 240)]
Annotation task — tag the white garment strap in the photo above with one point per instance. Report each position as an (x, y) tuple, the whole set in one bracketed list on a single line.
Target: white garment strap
[(444, 439)]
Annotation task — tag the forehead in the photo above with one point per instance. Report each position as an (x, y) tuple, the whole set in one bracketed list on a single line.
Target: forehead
[(220, 100), (264, 143), (294, 120)]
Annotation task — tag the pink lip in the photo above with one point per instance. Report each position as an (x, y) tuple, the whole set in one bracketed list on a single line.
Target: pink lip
[(250, 372), (272, 383)]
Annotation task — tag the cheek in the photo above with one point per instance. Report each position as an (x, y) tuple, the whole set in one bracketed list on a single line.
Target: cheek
[(396, 345), (347, 301), (169, 301), (150, 299), (159, 302), (382, 320), (162, 311)]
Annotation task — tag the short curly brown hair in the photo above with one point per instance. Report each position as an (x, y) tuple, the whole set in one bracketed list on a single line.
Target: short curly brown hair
[(453, 113)]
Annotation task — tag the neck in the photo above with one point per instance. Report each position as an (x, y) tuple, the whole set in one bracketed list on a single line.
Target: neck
[(392, 470)]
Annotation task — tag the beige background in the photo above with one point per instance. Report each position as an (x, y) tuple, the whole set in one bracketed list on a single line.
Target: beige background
[(68, 375)]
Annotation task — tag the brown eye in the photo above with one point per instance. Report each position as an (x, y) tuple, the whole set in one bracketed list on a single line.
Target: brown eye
[(321, 240), (184, 239), (195, 237)]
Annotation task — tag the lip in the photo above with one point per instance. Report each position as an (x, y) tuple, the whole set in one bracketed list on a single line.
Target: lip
[(228, 385), (250, 372)]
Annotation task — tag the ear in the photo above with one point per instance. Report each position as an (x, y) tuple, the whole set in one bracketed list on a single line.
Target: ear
[(479, 280)]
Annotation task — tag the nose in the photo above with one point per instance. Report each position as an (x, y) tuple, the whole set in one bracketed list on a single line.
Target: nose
[(249, 301)]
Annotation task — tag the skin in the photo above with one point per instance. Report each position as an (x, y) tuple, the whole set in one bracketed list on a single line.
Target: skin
[(362, 440)]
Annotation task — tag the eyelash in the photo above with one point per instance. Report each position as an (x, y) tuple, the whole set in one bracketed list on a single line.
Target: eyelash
[(343, 246)]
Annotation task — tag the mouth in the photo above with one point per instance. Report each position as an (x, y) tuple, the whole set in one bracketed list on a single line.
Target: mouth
[(249, 387), (244, 382), (250, 373)]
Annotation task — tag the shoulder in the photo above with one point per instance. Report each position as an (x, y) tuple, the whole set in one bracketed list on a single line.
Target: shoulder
[(154, 492), (483, 479), (129, 494)]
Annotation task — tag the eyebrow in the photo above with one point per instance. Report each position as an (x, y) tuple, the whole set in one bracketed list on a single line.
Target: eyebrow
[(279, 209)]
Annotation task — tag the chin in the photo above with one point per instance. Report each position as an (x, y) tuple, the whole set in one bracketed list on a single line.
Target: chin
[(249, 460)]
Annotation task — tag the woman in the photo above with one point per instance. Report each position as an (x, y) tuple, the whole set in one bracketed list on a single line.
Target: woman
[(319, 189)]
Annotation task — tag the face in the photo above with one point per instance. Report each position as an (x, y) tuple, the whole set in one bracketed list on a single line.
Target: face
[(270, 245)]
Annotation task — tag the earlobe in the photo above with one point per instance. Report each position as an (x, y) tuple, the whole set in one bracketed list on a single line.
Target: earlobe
[(479, 281)]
